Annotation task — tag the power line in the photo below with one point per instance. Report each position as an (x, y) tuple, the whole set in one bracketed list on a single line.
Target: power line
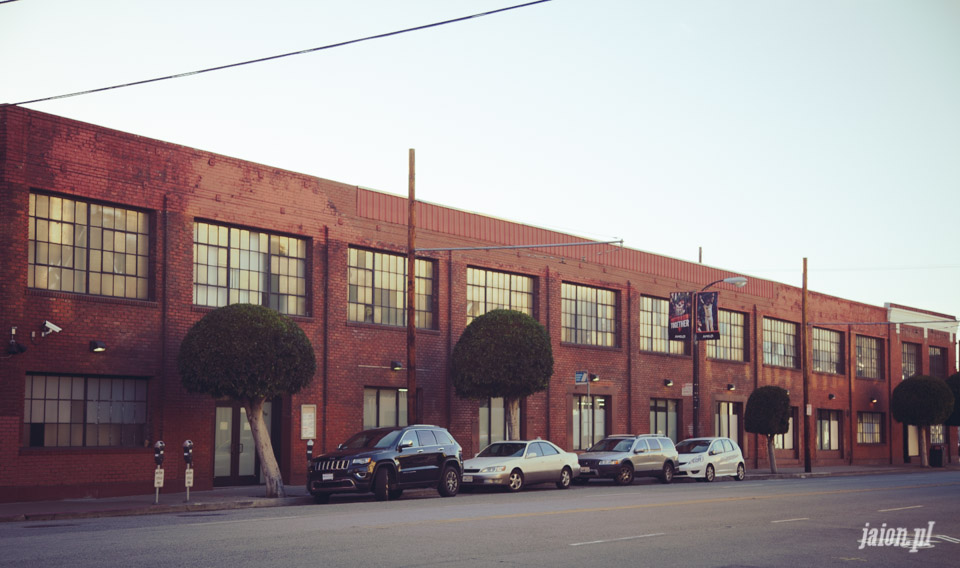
[(273, 57)]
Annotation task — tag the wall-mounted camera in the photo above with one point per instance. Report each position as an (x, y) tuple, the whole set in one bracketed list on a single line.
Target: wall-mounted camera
[(50, 327)]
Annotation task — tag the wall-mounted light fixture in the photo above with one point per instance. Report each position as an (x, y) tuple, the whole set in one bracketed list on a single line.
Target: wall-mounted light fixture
[(14, 348), (667, 383), (98, 346), (873, 401), (594, 378), (831, 396), (731, 387), (396, 366)]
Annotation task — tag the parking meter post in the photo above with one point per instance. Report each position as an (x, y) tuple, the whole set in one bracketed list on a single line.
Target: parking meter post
[(309, 452), (188, 472), (158, 474)]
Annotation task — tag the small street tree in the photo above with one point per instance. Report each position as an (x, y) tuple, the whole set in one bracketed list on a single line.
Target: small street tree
[(251, 354), (503, 353), (768, 414), (954, 383), (922, 401)]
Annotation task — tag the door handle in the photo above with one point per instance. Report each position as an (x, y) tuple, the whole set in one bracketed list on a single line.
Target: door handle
[(239, 448), (419, 451)]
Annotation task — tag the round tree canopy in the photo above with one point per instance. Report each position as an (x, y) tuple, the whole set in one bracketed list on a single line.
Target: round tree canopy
[(503, 353), (768, 411), (954, 383), (246, 352), (921, 401)]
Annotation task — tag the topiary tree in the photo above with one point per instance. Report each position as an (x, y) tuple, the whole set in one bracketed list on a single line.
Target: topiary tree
[(503, 353), (251, 354), (954, 383), (768, 413), (921, 401)]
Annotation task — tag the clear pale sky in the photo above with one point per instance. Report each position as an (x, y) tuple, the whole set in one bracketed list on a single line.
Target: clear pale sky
[(763, 131)]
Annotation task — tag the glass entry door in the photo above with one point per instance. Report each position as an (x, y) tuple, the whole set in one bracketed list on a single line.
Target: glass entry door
[(235, 457)]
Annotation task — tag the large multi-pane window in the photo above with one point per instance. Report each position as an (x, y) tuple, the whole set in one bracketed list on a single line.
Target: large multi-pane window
[(384, 407), (868, 358), (787, 440), (869, 428), (780, 345), (233, 265), (828, 429), (663, 417), (655, 327), (84, 411), (489, 290), (938, 362), (588, 315), (589, 420), (377, 289), (88, 248), (493, 421), (730, 346), (910, 359), (726, 422), (827, 351)]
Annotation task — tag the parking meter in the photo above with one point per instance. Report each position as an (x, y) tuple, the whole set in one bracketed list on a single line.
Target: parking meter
[(309, 452), (188, 453), (158, 475), (158, 453)]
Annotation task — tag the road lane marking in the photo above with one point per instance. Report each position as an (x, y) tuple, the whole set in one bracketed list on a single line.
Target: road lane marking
[(791, 520), (616, 539), (899, 509)]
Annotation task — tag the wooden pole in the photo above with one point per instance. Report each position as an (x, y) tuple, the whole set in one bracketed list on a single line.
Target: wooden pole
[(412, 417), (805, 367)]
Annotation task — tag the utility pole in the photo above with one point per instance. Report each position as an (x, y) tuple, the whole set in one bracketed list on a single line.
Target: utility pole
[(412, 417), (805, 367)]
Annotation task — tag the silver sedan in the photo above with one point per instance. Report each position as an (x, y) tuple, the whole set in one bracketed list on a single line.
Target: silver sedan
[(513, 464)]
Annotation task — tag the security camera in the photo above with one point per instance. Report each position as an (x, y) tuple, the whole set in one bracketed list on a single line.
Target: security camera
[(50, 327)]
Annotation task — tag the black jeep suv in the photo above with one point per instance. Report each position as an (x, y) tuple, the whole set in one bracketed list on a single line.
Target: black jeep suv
[(387, 461)]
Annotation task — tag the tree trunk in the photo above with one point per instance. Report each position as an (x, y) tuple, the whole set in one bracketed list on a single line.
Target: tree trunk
[(511, 407), (772, 454), (261, 439), (924, 431)]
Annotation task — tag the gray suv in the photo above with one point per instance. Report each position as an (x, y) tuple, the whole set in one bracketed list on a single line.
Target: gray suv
[(622, 457)]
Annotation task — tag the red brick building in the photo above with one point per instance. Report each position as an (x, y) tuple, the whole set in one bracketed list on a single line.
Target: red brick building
[(128, 241)]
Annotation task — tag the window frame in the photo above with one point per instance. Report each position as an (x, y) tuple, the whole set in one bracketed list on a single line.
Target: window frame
[(937, 359), (730, 346), (909, 359), (775, 333), (488, 404), (514, 294), (826, 419), (781, 441), (362, 285), (874, 436), (580, 402), (654, 327), (575, 316), (660, 410), (400, 408), (827, 351), (867, 345)]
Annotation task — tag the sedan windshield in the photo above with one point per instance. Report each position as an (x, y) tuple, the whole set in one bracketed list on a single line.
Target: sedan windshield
[(371, 439), (612, 445), (506, 450), (693, 446)]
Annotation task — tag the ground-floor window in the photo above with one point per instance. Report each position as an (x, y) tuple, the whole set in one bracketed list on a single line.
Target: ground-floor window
[(787, 440), (589, 420), (493, 421), (828, 429), (84, 411), (384, 407), (663, 418), (936, 433), (727, 420), (869, 428)]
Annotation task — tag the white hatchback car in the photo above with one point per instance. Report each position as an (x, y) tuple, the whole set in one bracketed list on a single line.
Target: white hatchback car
[(706, 458)]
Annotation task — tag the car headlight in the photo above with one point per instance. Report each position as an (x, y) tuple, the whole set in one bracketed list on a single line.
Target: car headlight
[(609, 462), (697, 459), (494, 469), (360, 461)]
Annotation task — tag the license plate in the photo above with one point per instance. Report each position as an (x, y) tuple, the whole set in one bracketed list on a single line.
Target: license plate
[(328, 477), (584, 470), (468, 479)]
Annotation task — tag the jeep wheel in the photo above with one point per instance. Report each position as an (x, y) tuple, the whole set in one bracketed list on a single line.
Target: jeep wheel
[(321, 498), (515, 482), (449, 482), (709, 475), (381, 484), (624, 475), (741, 472), (566, 476), (667, 475)]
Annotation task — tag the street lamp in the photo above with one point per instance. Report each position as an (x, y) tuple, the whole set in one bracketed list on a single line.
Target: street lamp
[(739, 282)]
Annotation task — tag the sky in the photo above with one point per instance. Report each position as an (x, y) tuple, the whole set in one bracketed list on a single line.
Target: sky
[(760, 132)]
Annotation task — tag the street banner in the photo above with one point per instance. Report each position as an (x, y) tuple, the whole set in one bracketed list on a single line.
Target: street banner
[(679, 316), (708, 326)]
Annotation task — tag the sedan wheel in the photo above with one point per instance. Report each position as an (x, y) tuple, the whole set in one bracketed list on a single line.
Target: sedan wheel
[(516, 480), (710, 474), (624, 475), (667, 475), (741, 472), (565, 478)]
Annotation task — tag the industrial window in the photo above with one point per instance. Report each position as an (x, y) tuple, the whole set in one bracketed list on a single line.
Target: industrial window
[(655, 327), (869, 428), (827, 351), (938, 362), (493, 422), (828, 429), (731, 345), (489, 290), (233, 265), (88, 248), (910, 359), (868, 358), (384, 407), (589, 420), (377, 289), (663, 417), (787, 440), (78, 411), (780, 345), (726, 422), (588, 315)]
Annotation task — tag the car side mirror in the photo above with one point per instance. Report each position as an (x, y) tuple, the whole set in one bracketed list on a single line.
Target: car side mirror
[(714, 452), (531, 456), (639, 451), (339, 446), (406, 444)]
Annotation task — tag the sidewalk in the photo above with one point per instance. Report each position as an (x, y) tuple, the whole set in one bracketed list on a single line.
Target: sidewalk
[(252, 496)]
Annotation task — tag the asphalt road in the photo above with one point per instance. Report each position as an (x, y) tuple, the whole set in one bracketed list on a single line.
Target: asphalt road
[(801, 522)]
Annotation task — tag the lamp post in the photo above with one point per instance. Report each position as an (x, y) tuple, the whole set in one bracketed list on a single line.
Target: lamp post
[(739, 282), (591, 378)]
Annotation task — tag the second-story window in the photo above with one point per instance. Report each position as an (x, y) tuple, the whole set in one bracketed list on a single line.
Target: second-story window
[(938, 362), (489, 290), (911, 359), (242, 266), (868, 358), (588, 315), (655, 327), (377, 289), (780, 346), (827, 351), (731, 346)]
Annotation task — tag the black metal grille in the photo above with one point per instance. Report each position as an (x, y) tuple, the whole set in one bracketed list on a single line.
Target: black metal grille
[(331, 465)]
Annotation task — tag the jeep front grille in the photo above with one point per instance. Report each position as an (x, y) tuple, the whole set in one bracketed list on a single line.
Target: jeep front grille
[(332, 465)]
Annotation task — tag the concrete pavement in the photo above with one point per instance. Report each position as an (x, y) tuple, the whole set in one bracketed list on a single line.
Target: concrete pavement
[(252, 496)]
